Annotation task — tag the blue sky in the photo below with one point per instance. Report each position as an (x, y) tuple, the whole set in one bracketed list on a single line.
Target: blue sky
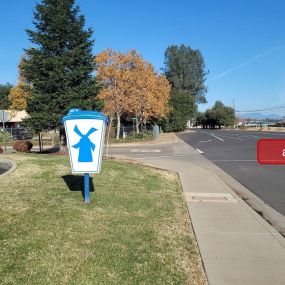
[(243, 42)]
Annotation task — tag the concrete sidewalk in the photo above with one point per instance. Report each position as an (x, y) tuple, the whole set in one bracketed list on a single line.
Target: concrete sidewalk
[(238, 247)]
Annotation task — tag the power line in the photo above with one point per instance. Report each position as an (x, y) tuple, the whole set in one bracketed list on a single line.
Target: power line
[(277, 108)]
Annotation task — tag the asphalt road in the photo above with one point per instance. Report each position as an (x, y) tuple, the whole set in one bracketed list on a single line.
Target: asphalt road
[(235, 153)]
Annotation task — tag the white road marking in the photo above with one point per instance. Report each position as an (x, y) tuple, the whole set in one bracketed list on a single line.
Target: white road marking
[(217, 137), (200, 151), (236, 160), (234, 138), (247, 136), (161, 156), (145, 150), (206, 141)]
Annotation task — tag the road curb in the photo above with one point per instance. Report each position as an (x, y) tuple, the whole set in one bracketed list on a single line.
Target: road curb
[(263, 210), (268, 216), (11, 163)]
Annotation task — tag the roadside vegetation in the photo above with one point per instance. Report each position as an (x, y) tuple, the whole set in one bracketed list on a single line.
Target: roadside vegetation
[(216, 117), (136, 229), (185, 70), (59, 72)]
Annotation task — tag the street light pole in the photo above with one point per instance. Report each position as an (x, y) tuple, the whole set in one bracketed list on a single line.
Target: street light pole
[(3, 123), (134, 122)]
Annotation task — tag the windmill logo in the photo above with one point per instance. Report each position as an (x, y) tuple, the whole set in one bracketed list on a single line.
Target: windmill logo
[(85, 145)]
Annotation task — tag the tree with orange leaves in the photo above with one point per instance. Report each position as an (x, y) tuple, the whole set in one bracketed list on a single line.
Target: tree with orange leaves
[(113, 71), (130, 86), (19, 94), (149, 93)]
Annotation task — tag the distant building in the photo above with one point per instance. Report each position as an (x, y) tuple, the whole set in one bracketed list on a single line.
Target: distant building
[(15, 118), (190, 124), (240, 122)]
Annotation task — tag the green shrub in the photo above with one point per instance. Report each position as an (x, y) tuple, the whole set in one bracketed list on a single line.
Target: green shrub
[(146, 134), (22, 146), (5, 137)]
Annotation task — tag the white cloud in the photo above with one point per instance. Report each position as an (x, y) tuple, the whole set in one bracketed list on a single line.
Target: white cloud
[(247, 62)]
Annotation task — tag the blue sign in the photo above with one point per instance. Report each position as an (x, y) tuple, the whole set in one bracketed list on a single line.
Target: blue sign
[(85, 145), (85, 132)]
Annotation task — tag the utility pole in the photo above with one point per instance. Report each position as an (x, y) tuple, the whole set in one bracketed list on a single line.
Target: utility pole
[(234, 107), (3, 120)]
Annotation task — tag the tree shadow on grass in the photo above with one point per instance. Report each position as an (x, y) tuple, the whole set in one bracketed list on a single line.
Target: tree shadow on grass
[(52, 150), (75, 183)]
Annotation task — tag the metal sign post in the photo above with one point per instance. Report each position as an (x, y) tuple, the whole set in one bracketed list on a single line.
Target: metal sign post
[(86, 188), (4, 117), (134, 130), (85, 132)]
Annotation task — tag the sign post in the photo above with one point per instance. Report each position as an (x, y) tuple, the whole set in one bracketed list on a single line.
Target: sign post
[(85, 132), (4, 117), (134, 131), (86, 188)]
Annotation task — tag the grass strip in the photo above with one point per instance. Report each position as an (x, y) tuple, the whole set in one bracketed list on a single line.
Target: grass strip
[(135, 230)]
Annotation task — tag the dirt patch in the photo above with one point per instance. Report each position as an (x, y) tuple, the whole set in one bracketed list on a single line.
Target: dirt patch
[(27, 171), (123, 160), (189, 259), (19, 157), (62, 169), (168, 175), (260, 129)]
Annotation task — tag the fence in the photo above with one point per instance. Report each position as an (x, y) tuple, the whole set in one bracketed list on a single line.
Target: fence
[(129, 133), (48, 138), (19, 133)]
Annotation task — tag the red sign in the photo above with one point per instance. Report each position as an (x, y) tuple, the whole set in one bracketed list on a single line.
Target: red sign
[(271, 151)]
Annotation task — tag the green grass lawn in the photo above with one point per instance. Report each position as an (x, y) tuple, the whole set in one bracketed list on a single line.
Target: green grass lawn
[(136, 229)]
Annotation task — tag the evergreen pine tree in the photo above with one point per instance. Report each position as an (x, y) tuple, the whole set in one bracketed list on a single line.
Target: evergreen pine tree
[(58, 67), (185, 70), (182, 107), (4, 94)]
